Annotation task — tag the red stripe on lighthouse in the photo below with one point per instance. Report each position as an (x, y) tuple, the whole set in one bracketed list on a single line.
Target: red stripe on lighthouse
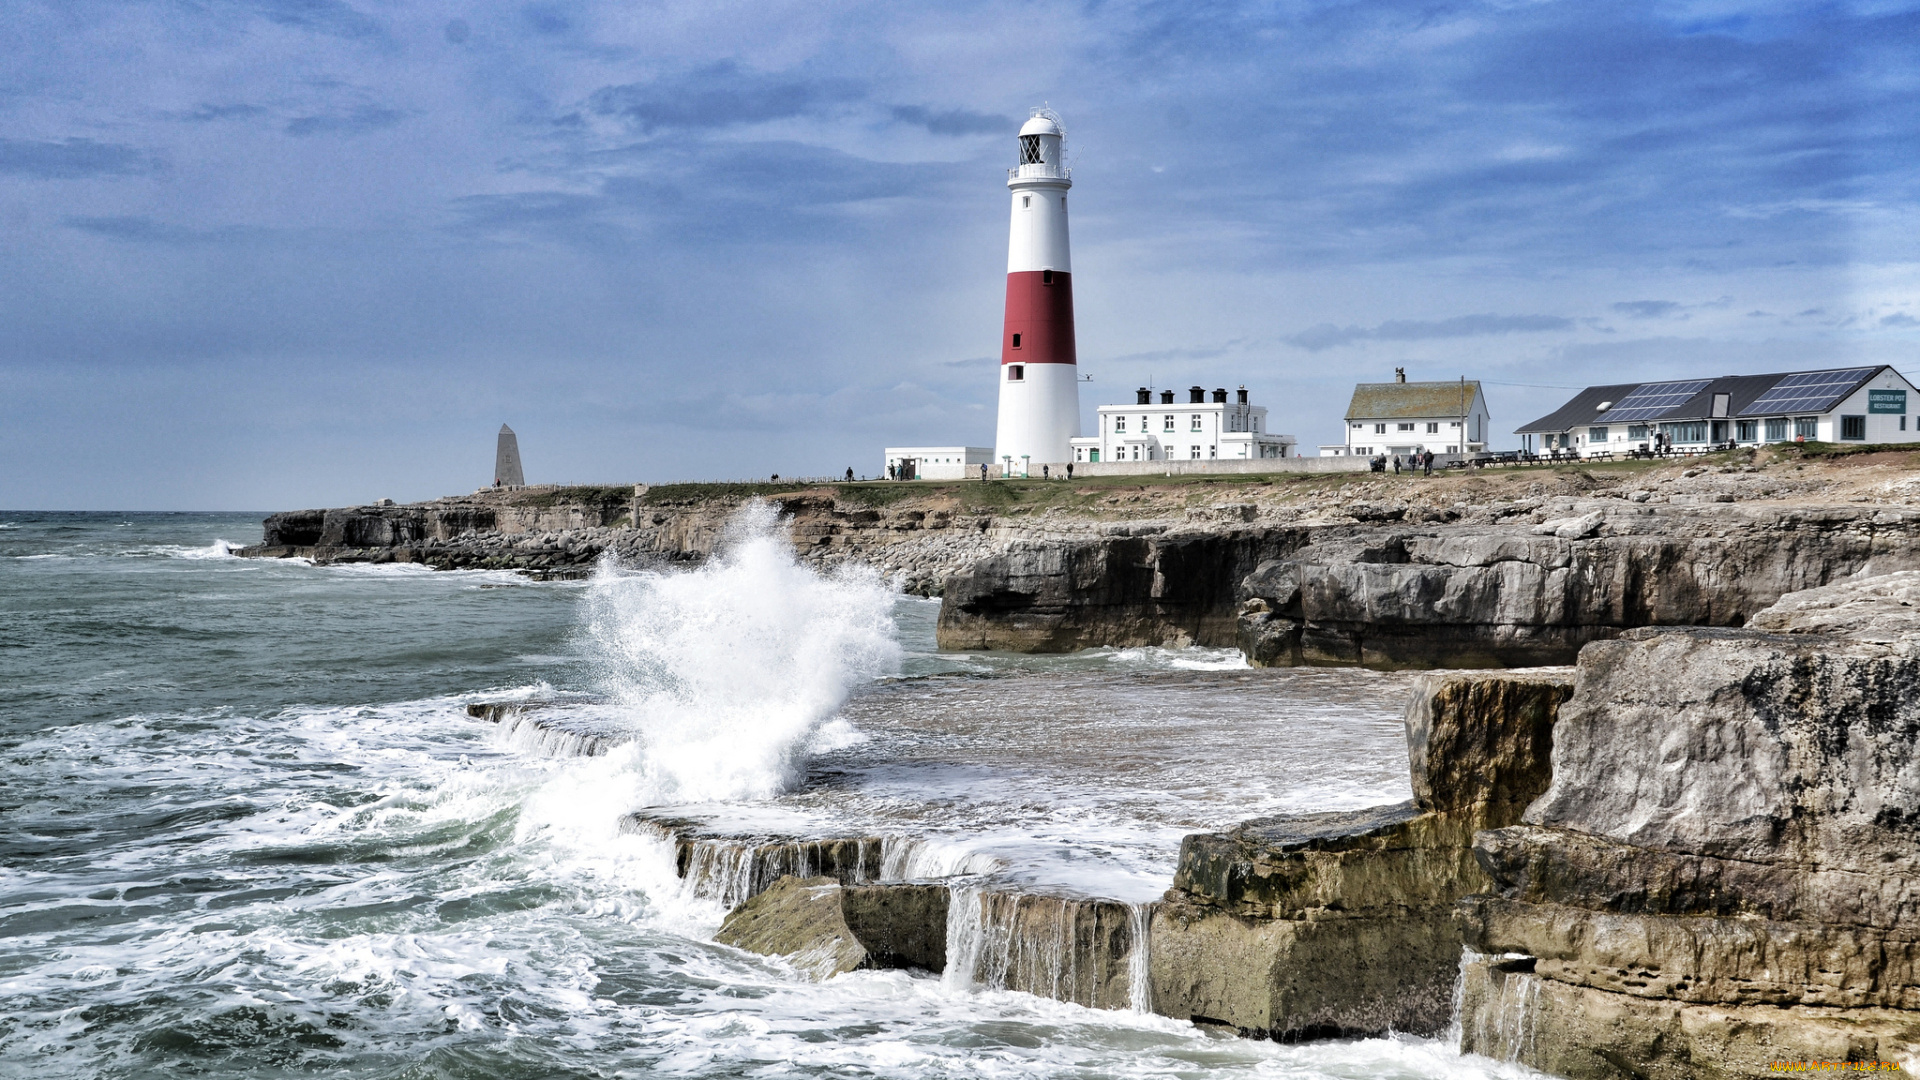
[(1040, 314)]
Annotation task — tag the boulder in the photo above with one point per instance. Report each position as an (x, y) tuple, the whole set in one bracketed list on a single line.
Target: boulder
[(824, 928)]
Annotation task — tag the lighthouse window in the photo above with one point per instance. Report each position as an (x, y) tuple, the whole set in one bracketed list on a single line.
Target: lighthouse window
[(1016, 372), (1016, 341), (1029, 150), (1046, 277), (1026, 202)]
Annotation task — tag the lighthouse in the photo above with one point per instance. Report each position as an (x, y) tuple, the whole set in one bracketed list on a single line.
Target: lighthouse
[(1039, 382)]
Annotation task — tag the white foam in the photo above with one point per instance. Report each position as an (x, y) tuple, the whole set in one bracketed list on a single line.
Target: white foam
[(728, 672)]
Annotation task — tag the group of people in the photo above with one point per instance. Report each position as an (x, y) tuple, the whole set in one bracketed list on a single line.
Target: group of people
[(1422, 461), (1046, 472)]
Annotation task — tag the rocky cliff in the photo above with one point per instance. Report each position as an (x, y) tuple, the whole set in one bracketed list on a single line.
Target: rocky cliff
[(563, 532), (1342, 923), (1510, 567), (1722, 874)]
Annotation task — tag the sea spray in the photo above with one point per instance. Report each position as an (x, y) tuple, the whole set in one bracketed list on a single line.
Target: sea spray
[(727, 671), (724, 677)]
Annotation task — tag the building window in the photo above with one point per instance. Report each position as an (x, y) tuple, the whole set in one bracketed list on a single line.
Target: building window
[(1016, 372), (1746, 430), (1776, 428), (1853, 428), (1379, 429), (1256, 424), (1195, 453), (1403, 427), (1213, 451), (1808, 426), (1596, 434), (1357, 427), (1695, 432), (1046, 277), (1453, 449), (1136, 453), (1166, 423), (1636, 432), (1119, 423), (1195, 425), (1433, 428)]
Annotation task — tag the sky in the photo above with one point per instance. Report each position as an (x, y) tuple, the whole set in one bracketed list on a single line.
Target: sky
[(271, 254)]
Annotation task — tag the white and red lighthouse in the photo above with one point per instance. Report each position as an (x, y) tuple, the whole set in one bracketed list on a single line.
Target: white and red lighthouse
[(1039, 381)]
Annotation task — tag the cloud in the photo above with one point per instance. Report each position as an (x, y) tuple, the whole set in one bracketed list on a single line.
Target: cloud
[(1327, 335), (71, 159), (363, 119), (1900, 320), (206, 113), (143, 230), (951, 121), (718, 96), (1648, 309), (331, 17)]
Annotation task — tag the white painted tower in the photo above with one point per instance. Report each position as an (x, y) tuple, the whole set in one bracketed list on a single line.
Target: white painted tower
[(1039, 377)]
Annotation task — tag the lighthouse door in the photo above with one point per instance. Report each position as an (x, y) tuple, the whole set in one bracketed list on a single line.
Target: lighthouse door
[(909, 469)]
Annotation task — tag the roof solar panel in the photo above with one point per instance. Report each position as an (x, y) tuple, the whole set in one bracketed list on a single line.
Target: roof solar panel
[(1809, 391), (1649, 401)]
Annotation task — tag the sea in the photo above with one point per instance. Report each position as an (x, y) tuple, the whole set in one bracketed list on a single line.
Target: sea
[(248, 827)]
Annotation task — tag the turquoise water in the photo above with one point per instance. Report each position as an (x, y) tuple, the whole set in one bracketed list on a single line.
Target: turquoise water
[(248, 830)]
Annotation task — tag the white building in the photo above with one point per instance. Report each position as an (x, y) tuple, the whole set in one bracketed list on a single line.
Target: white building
[(1402, 418), (1195, 430), (936, 462), (1864, 404)]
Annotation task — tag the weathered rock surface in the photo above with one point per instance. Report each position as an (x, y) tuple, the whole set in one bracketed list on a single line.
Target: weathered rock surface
[(1068, 948), (563, 532), (825, 928), (1724, 871), (1446, 594), (1141, 587), (1341, 923), (732, 868)]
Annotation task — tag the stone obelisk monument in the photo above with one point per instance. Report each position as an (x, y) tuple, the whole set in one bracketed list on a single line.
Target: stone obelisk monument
[(506, 460)]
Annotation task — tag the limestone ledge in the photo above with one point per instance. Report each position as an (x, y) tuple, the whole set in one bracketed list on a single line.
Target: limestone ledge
[(1722, 872), (1309, 925)]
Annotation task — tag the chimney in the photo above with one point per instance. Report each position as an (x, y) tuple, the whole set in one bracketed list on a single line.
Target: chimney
[(1166, 397), (1243, 395), (1196, 395), (1145, 396), (1220, 396), (1399, 374)]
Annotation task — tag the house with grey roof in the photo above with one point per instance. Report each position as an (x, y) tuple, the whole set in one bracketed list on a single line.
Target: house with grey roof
[(1403, 418), (1863, 404)]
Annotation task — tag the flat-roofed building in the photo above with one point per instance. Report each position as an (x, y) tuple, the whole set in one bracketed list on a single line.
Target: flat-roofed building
[(1402, 418), (936, 462), (1193, 430), (1862, 404)]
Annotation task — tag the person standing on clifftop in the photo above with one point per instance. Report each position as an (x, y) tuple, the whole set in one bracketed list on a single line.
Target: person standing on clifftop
[(1426, 462)]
